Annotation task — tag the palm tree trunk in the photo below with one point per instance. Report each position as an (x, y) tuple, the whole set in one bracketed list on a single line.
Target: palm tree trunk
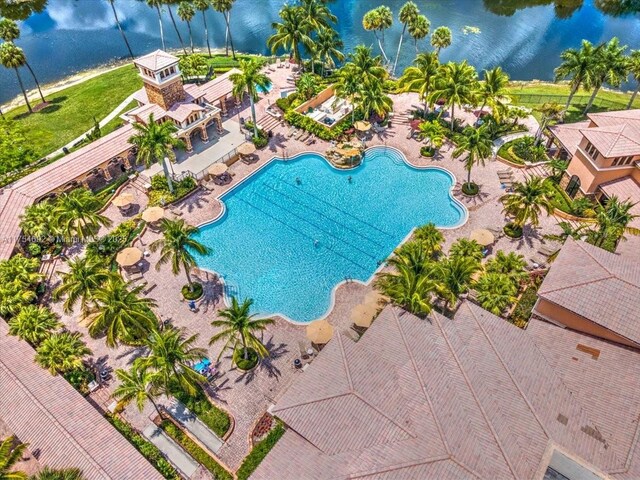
[(167, 174), (484, 104), (245, 353), (226, 35), (186, 272), (155, 405), (173, 20), (395, 63), (573, 91), (469, 176), (24, 92), (633, 97), (206, 32), (453, 106), (190, 36), (124, 37), (228, 19), (591, 99), (253, 116), (384, 54), (415, 44), (161, 29), (35, 79)]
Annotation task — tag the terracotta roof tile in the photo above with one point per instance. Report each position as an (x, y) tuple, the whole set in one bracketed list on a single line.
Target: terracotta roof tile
[(627, 190), (156, 60), (219, 87)]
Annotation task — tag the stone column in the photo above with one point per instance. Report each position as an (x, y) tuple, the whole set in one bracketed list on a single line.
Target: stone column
[(219, 125), (223, 105), (126, 161), (187, 140), (203, 133), (105, 172)]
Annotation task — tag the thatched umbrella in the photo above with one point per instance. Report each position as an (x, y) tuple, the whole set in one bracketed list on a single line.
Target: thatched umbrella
[(362, 126), (319, 332), (246, 148), (217, 169), (362, 315), (153, 214), (123, 200), (129, 257), (482, 236)]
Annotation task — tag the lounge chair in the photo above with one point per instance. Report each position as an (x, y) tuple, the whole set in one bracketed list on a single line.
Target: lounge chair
[(547, 250), (148, 288), (505, 175), (175, 211), (305, 137), (299, 134)]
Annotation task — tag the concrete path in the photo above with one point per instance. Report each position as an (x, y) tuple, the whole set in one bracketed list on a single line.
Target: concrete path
[(195, 427), (171, 450)]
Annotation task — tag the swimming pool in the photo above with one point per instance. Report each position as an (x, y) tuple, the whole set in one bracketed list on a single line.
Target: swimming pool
[(264, 90), (295, 229)]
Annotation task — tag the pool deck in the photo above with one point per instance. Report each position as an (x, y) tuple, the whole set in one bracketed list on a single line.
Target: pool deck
[(248, 395)]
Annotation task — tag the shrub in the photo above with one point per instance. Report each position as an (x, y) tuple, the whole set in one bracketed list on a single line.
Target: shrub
[(216, 419), (242, 363), (470, 189), (80, 378), (582, 207), (259, 452), (159, 191), (325, 133), (147, 449), (287, 102), (526, 149), (192, 295), (427, 151), (114, 241), (521, 314), (34, 249)]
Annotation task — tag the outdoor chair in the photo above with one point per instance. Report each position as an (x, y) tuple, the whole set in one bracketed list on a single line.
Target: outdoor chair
[(148, 288), (175, 211)]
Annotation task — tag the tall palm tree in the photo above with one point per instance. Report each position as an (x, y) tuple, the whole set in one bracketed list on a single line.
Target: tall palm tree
[(478, 145), (457, 83), (510, 264), (156, 5), (33, 324), (611, 67), (634, 69), (408, 289), (10, 456), (121, 314), (62, 352), (420, 77), (550, 112), (365, 66), (155, 143), (240, 327), (419, 29), (318, 14), (168, 3), (465, 248), (372, 99), (76, 214), (86, 275), (176, 245), (408, 13), (186, 12), (307, 85), (48, 473), (124, 36), (578, 66), (327, 48), (527, 201), (567, 230), (203, 6), (441, 38), (454, 277), (495, 292), (36, 221), (612, 223), (348, 86), (494, 87), (248, 80), (170, 355), (292, 32), (377, 21), (224, 7), (433, 132), (137, 384), (12, 56), (430, 237)]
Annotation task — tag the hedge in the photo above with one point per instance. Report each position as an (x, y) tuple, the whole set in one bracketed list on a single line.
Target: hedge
[(159, 190), (259, 452), (195, 451), (146, 448), (521, 314), (302, 121)]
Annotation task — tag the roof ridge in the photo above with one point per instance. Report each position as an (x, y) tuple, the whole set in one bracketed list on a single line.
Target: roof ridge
[(356, 394), (344, 363), (313, 400), (607, 269), (392, 468)]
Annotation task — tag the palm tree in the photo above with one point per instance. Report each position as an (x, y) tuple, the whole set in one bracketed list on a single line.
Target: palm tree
[(420, 77), (612, 223), (248, 80), (494, 88), (62, 352), (121, 314), (76, 214), (327, 48), (86, 275), (634, 69), (318, 14), (348, 86), (124, 36), (457, 83), (186, 12), (13, 297), (549, 111), (33, 324), (12, 56), (156, 4), (155, 143), (577, 64), (454, 277), (430, 237), (21, 270), (408, 289), (419, 29), (611, 67), (567, 230), (48, 473), (408, 13), (557, 167), (36, 220), (203, 6), (307, 85), (10, 456), (441, 38), (372, 99), (239, 328), (169, 357), (495, 292), (527, 201), (137, 384), (433, 133), (293, 31), (378, 20), (176, 245), (510, 264), (465, 248), (224, 7), (478, 145), (168, 3)]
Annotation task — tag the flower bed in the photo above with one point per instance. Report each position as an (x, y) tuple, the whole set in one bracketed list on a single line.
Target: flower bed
[(325, 133), (470, 189), (259, 452), (521, 314), (427, 151)]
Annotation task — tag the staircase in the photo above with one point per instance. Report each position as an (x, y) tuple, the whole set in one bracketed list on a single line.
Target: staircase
[(140, 181), (402, 118), (267, 122)]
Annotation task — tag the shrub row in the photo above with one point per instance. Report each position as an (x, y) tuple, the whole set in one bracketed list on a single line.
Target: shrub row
[(521, 314), (259, 452), (302, 121), (159, 191)]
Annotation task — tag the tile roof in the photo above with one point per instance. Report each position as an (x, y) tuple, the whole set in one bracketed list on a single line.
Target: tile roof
[(626, 189), (48, 414), (615, 140), (583, 273), (156, 60), (472, 397), (569, 134), (27, 190), (219, 87)]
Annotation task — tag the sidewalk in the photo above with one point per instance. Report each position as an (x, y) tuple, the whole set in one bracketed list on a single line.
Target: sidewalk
[(174, 453), (195, 427)]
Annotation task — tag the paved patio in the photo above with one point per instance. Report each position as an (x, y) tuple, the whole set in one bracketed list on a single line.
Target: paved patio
[(247, 395)]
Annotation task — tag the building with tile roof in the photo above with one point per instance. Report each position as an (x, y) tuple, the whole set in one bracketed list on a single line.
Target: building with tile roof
[(604, 156), (472, 397), (58, 423)]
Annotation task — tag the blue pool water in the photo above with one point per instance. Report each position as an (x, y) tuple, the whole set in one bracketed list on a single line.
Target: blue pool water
[(297, 228), (264, 90)]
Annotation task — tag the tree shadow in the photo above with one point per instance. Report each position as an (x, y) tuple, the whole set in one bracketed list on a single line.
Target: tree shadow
[(266, 364), (194, 201), (213, 289), (277, 142)]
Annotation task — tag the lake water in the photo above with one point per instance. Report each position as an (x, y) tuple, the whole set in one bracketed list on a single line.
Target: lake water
[(524, 36)]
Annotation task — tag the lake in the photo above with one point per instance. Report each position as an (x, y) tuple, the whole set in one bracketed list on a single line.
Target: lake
[(524, 37)]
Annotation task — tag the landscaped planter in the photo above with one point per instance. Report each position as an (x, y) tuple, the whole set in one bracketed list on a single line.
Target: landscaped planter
[(245, 365), (427, 152), (470, 189), (513, 231), (196, 294)]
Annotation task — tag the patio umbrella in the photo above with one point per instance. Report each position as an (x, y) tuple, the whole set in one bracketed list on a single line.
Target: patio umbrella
[(415, 124), (217, 169), (362, 126), (319, 332), (128, 257), (482, 236), (123, 200), (153, 214), (246, 148), (362, 315)]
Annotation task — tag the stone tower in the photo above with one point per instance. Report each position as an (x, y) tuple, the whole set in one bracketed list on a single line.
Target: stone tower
[(161, 76)]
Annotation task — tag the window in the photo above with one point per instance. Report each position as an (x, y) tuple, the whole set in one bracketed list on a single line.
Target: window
[(591, 150), (573, 186), (622, 160)]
